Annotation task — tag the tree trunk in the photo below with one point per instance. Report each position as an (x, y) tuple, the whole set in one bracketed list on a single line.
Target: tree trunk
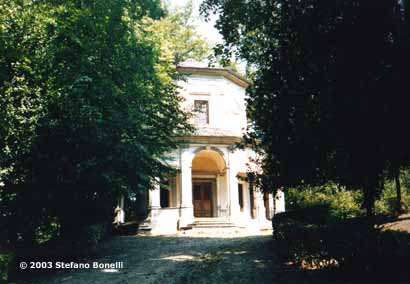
[(368, 203), (399, 205), (369, 209)]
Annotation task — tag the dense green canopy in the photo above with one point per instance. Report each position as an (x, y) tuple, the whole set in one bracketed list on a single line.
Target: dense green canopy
[(88, 105), (327, 100)]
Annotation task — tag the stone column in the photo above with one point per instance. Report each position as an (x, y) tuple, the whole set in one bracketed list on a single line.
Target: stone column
[(223, 196), (279, 201), (155, 197), (154, 208), (187, 208), (119, 214), (260, 206), (233, 191), (217, 197), (271, 205)]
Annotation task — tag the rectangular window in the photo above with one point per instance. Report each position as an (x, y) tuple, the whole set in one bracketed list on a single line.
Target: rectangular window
[(266, 199), (240, 194), (164, 197), (201, 112), (164, 192), (252, 202)]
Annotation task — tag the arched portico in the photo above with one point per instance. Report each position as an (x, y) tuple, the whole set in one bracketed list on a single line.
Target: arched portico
[(208, 190), (209, 183), (209, 172)]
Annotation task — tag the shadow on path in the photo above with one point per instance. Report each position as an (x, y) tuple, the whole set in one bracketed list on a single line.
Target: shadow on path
[(148, 259)]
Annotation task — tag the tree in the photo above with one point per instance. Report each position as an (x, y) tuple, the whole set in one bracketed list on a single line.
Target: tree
[(90, 94), (177, 35), (399, 158), (322, 102)]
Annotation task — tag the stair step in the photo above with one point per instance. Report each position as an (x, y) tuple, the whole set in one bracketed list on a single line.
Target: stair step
[(144, 228), (211, 224), (212, 227), (213, 221)]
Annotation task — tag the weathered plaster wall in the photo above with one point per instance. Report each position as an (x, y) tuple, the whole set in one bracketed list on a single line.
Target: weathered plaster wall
[(227, 118), (227, 111)]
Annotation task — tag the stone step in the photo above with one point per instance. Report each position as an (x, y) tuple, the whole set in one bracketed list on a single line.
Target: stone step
[(144, 227), (211, 224), (214, 231)]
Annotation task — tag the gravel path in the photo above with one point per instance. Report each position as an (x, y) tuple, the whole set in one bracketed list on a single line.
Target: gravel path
[(191, 258)]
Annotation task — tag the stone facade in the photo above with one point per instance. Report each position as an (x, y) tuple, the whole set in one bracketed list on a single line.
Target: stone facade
[(210, 183)]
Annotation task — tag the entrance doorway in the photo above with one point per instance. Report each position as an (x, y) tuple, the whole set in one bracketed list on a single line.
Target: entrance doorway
[(202, 193)]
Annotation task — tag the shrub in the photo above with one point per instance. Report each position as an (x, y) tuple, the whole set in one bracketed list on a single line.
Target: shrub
[(5, 259), (297, 233), (354, 247), (86, 235), (342, 203), (47, 231), (318, 215), (94, 233), (386, 204)]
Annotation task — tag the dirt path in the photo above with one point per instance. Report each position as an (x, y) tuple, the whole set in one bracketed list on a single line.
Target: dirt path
[(176, 259)]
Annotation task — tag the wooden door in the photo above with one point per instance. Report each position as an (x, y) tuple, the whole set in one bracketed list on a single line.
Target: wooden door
[(203, 199)]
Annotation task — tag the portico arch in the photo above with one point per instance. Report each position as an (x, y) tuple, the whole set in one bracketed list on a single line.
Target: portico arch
[(208, 161), (209, 183)]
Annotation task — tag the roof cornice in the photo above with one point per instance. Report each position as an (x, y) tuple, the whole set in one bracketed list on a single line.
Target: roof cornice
[(209, 139), (227, 73)]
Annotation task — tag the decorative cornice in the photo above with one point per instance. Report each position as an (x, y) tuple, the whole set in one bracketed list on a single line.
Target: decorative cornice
[(225, 140), (227, 73)]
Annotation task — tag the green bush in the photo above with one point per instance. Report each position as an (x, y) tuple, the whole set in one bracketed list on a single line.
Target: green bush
[(318, 215), (92, 234), (353, 247), (86, 235), (5, 260), (345, 203), (386, 204), (342, 203), (47, 231)]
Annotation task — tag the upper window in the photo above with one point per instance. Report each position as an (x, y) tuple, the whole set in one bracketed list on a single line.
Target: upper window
[(201, 112)]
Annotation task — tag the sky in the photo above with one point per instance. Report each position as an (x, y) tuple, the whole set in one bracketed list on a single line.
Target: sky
[(207, 29)]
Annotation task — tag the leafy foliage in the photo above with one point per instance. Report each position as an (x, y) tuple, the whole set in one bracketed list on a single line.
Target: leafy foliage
[(328, 86), (177, 36), (89, 107), (342, 203), (352, 249), (5, 259), (387, 203)]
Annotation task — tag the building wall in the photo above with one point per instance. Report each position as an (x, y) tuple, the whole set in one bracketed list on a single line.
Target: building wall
[(227, 120), (226, 101)]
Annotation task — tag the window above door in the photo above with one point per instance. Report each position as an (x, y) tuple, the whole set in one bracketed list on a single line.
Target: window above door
[(201, 112)]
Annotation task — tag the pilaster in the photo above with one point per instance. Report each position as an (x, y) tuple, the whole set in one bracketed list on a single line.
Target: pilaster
[(187, 208)]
